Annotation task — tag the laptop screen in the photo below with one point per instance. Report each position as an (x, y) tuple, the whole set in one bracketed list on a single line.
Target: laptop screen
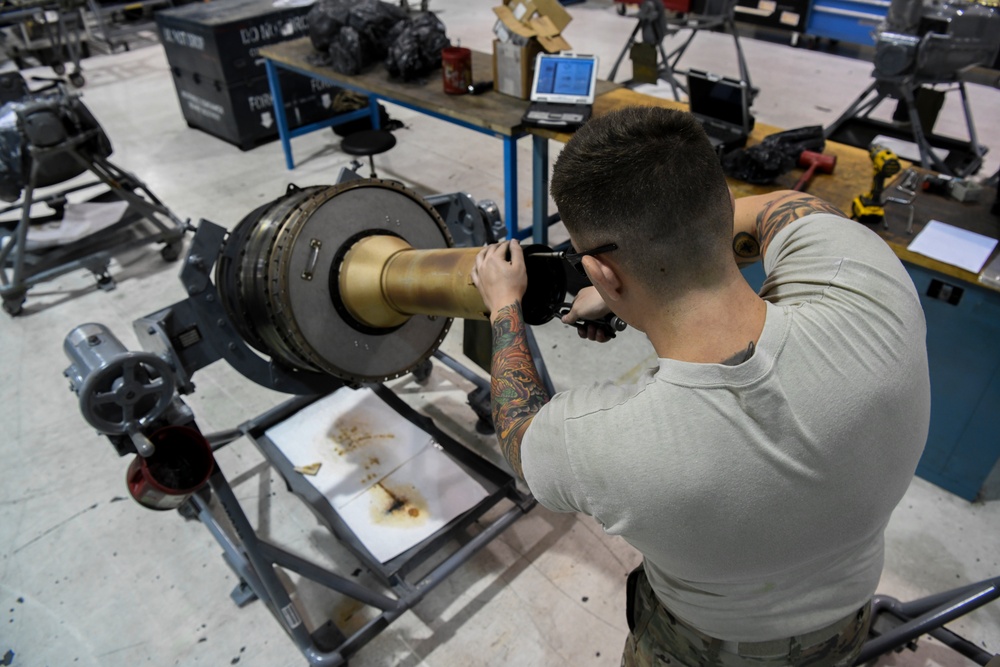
[(566, 78), (716, 97)]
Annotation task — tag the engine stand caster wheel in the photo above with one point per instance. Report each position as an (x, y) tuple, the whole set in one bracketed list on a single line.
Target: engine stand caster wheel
[(77, 79), (14, 306), (422, 373), (105, 282), (171, 252), (59, 68)]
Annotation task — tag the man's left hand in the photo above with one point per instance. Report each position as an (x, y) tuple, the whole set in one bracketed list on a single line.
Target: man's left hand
[(500, 280)]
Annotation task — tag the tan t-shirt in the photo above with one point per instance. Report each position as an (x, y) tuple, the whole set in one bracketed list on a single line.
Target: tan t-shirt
[(758, 493)]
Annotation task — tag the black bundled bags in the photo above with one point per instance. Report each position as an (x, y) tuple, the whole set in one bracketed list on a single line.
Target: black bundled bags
[(346, 54), (416, 50), (777, 154), (350, 36), (325, 20), (374, 22)]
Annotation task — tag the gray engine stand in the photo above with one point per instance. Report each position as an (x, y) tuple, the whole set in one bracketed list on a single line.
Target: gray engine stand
[(254, 559)]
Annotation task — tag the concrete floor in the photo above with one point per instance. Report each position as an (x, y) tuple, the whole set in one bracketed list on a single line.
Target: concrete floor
[(88, 580)]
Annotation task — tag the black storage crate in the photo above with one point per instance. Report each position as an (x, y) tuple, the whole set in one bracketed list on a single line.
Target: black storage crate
[(243, 113), (221, 39)]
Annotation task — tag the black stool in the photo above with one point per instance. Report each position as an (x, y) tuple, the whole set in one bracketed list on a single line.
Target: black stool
[(368, 142)]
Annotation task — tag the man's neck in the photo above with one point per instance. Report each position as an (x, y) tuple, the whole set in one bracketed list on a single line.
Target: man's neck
[(707, 325)]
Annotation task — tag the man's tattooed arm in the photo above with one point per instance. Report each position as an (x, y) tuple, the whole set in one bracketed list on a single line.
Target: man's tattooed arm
[(516, 387), (784, 209)]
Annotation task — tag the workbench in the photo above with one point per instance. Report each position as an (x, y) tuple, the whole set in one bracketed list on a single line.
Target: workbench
[(490, 113)]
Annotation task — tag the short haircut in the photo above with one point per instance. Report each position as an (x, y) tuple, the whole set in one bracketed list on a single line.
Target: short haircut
[(647, 179)]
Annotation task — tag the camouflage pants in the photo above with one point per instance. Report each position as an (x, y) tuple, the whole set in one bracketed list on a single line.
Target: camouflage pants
[(657, 638)]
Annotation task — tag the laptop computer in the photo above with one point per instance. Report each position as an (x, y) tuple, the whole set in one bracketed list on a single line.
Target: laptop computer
[(562, 90), (722, 106)]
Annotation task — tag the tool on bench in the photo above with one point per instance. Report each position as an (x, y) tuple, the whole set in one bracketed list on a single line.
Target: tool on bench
[(867, 207), (906, 185), (814, 161), (959, 189)]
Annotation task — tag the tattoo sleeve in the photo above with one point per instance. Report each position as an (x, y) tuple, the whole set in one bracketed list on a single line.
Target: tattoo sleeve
[(780, 212), (516, 387)]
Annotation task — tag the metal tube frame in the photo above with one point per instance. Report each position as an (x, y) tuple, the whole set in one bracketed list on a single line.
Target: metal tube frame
[(928, 615), (254, 560), (693, 23), (92, 252), (903, 88)]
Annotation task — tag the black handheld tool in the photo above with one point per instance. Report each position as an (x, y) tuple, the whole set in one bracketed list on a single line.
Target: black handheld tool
[(610, 324), (480, 87)]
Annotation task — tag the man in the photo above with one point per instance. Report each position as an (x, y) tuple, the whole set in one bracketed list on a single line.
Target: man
[(757, 466)]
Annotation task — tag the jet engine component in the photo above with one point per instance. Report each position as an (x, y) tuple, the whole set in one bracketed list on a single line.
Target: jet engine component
[(356, 280)]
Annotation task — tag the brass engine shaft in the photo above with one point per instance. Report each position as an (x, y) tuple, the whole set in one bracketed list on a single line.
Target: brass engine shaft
[(383, 281)]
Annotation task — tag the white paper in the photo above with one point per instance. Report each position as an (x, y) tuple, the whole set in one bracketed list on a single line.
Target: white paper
[(951, 245), (411, 504), (79, 221), (357, 438), (387, 479)]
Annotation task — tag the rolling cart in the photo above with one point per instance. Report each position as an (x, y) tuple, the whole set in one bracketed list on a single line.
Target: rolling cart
[(47, 138)]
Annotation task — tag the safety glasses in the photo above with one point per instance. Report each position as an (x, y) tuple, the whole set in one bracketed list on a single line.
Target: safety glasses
[(576, 258)]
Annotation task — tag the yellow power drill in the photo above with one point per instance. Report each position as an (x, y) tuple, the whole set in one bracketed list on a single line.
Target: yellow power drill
[(867, 208)]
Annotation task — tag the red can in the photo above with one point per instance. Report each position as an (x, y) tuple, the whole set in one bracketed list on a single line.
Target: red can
[(181, 463), (456, 69)]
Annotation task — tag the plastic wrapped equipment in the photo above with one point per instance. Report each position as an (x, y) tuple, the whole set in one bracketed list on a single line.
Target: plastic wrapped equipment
[(777, 154), (41, 121), (416, 52), (351, 36)]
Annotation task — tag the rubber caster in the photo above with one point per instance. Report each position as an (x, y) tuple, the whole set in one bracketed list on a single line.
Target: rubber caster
[(105, 282), (170, 252), (77, 79), (13, 307), (59, 68), (422, 373)]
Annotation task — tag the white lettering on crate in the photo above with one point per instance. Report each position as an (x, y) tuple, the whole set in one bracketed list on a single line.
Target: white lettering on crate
[(260, 102), (201, 106), (318, 85), (184, 38), (271, 31)]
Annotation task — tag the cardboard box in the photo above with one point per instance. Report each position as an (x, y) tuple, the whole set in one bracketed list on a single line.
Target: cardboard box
[(521, 21), (514, 67)]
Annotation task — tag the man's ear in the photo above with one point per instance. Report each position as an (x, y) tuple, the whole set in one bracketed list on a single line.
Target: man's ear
[(603, 276)]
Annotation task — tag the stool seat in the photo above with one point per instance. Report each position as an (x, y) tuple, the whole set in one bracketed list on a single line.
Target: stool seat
[(368, 142)]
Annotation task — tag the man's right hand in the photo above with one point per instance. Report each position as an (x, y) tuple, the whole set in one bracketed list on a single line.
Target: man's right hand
[(588, 305)]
